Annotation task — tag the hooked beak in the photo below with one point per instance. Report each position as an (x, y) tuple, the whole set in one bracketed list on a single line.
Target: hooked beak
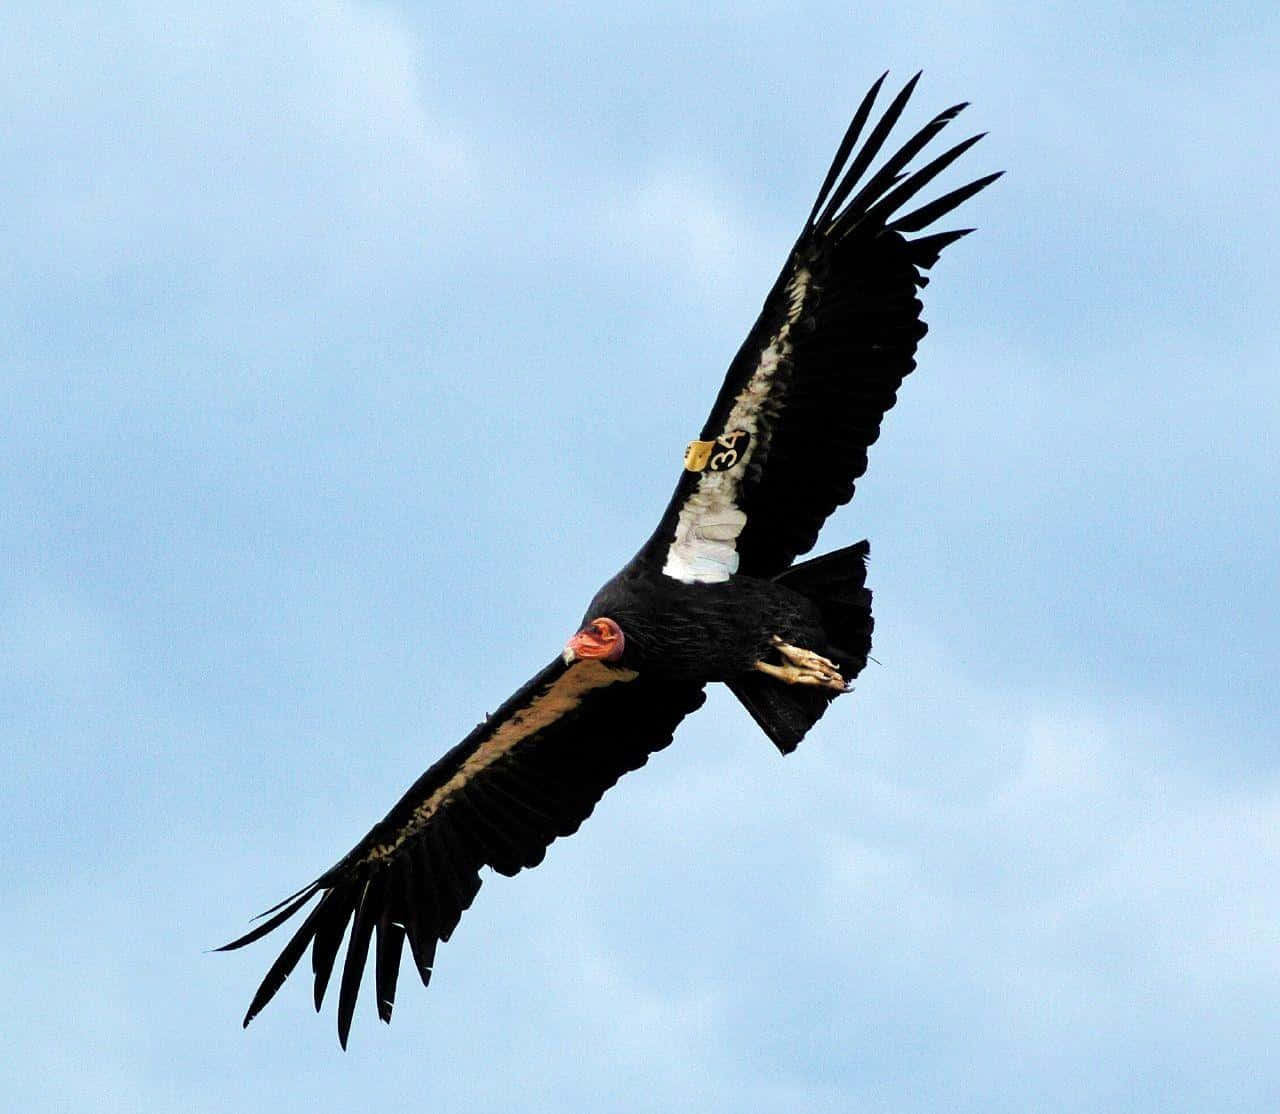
[(601, 640), (571, 649)]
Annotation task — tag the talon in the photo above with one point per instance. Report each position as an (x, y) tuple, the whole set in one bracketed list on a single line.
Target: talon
[(805, 667)]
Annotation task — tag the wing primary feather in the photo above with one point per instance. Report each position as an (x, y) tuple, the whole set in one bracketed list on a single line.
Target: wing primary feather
[(868, 152), (328, 938), (927, 214), (420, 916), (357, 954), (892, 201), (846, 145), (423, 948), (282, 968), (889, 174), (390, 931), (302, 897), (281, 904)]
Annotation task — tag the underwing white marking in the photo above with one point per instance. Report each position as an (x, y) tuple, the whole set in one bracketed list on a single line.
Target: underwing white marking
[(703, 550), (563, 695)]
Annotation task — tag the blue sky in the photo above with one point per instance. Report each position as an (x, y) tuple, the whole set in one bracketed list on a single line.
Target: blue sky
[(349, 347)]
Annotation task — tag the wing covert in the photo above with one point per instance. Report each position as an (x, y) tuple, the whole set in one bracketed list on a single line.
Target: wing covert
[(806, 392), (529, 773)]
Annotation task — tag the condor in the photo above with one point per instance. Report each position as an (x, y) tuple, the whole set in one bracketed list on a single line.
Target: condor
[(713, 595)]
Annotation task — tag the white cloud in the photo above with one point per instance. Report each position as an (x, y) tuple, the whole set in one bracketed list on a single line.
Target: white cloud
[(222, 143), (681, 226)]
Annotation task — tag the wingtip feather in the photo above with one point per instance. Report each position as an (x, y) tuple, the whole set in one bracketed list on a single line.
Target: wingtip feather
[(353, 966), (867, 152), (302, 897), (283, 967), (921, 218), (847, 143)]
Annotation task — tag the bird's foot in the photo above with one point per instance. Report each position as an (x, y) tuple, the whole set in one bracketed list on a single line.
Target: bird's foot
[(803, 667)]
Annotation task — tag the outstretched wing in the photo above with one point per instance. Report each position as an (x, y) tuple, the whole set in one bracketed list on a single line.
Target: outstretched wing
[(532, 771), (804, 397)]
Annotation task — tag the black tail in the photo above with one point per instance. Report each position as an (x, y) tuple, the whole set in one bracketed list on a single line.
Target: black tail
[(835, 582)]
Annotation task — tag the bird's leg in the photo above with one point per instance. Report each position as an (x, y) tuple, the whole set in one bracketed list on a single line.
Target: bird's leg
[(803, 667)]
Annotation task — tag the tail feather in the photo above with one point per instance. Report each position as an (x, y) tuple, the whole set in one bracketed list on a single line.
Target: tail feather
[(784, 712), (836, 583)]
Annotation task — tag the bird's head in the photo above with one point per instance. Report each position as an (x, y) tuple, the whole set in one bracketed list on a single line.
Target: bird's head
[(601, 639)]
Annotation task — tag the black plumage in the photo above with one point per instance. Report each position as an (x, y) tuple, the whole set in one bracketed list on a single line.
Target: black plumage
[(713, 595)]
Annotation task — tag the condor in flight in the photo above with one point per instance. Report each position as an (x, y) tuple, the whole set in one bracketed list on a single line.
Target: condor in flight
[(711, 596)]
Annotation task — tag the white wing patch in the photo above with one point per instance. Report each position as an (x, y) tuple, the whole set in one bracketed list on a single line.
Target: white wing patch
[(704, 549)]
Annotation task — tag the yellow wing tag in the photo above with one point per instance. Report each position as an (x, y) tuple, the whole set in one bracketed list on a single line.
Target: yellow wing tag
[(719, 455)]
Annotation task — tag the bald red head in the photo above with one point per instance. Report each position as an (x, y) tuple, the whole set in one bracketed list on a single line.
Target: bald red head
[(600, 640)]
